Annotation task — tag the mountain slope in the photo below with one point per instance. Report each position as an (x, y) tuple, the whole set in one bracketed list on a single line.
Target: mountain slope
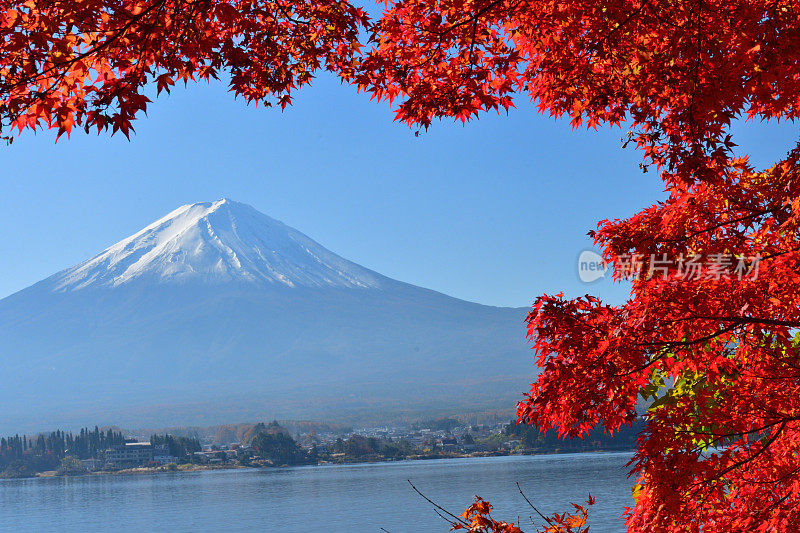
[(217, 313)]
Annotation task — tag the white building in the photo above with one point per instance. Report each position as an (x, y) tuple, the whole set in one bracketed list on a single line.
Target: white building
[(129, 455)]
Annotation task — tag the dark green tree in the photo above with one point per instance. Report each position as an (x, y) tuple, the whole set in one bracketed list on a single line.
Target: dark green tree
[(279, 448)]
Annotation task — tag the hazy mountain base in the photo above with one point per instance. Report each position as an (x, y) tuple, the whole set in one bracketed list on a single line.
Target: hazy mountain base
[(200, 355)]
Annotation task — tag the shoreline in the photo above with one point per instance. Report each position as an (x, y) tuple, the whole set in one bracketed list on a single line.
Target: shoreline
[(189, 467)]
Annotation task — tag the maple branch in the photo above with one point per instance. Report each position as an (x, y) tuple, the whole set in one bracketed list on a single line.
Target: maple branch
[(749, 320), (64, 67), (437, 506), (619, 26), (735, 323), (697, 486), (672, 344), (481, 12), (471, 48), (533, 507), (666, 345), (97, 48), (692, 123), (773, 481), (755, 214), (778, 502), (763, 448), (717, 437), (283, 11)]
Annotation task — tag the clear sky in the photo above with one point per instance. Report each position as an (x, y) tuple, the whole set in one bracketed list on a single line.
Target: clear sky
[(494, 212)]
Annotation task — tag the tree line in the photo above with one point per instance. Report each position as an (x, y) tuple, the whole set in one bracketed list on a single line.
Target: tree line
[(596, 439), (23, 454), (179, 447)]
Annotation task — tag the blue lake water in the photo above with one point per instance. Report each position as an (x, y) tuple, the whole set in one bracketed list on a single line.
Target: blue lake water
[(330, 499)]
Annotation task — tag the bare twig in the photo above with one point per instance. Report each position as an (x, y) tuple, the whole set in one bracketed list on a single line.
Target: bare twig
[(533, 506), (437, 506)]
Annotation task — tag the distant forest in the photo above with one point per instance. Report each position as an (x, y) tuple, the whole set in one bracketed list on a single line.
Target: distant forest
[(597, 439), (21, 455)]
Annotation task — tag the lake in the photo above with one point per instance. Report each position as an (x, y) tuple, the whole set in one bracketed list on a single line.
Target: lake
[(331, 499)]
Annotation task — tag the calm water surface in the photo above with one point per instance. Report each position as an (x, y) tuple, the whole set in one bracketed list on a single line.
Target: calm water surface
[(329, 499)]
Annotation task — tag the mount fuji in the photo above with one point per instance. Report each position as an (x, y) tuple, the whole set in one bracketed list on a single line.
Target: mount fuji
[(217, 313)]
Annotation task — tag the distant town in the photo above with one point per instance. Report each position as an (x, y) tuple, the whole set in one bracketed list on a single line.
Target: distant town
[(110, 450)]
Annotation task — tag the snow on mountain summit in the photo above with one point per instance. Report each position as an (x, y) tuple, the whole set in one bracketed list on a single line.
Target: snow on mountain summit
[(215, 242)]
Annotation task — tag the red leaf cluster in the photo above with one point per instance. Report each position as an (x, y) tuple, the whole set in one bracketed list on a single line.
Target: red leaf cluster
[(715, 359), (477, 519), (676, 72), (712, 361), (86, 62)]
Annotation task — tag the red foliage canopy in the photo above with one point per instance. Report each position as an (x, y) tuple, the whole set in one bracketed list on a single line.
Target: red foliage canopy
[(713, 355), (87, 62), (677, 72)]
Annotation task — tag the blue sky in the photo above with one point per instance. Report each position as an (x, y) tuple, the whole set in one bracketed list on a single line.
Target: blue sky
[(494, 212)]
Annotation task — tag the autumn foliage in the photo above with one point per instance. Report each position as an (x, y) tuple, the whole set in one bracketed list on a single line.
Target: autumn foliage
[(711, 359), (477, 518), (88, 62)]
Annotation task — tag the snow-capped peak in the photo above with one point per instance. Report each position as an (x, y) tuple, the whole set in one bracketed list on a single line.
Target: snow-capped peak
[(217, 242)]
